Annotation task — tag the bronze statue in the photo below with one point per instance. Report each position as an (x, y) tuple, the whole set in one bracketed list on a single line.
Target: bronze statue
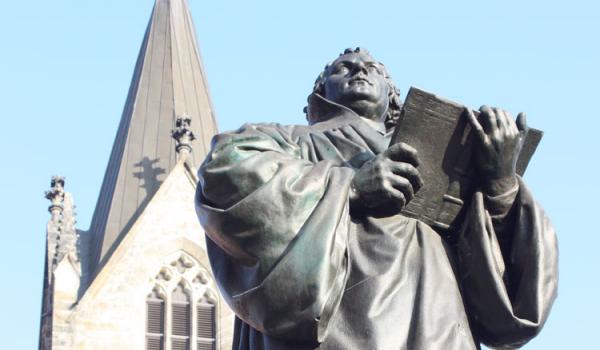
[(310, 250)]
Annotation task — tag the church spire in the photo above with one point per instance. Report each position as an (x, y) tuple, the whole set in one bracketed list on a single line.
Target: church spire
[(168, 81)]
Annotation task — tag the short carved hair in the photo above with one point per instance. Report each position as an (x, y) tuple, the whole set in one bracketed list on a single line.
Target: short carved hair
[(395, 104)]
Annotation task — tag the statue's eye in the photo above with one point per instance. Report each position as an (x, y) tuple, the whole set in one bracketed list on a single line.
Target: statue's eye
[(374, 69), (341, 69)]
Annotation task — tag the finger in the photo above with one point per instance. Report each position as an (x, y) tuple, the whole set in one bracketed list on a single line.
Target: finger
[(487, 118), (395, 195), (403, 185), (522, 122), (501, 119), (506, 123), (475, 123), (402, 152), (409, 172), (511, 122)]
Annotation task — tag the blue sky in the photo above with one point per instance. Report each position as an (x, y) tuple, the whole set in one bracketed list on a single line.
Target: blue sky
[(66, 65)]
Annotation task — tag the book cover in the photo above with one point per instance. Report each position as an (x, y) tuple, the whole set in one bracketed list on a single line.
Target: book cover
[(441, 133)]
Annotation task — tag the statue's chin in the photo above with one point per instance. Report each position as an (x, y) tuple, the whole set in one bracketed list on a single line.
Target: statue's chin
[(360, 104), (358, 99), (360, 92), (365, 105)]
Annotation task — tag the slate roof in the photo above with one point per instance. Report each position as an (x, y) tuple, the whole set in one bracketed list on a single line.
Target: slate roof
[(168, 81)]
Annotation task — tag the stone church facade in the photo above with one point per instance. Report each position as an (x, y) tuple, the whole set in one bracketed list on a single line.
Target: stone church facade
[(139, 277)]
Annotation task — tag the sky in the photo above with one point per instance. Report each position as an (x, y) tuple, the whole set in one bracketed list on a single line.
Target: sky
[(66, 65)]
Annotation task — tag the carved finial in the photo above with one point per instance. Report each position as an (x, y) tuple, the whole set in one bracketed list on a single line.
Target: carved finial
[(56, 196), (183, 135)]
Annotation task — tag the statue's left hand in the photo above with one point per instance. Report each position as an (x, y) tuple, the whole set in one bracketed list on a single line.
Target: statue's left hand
[(498, 142)]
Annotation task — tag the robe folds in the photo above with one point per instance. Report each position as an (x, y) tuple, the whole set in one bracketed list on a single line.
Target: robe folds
[(301, 271)]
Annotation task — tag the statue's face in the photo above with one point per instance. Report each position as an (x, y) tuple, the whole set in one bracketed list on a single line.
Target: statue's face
[(356, 80)]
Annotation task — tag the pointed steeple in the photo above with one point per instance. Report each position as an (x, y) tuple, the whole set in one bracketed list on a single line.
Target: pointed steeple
[(168, 82)]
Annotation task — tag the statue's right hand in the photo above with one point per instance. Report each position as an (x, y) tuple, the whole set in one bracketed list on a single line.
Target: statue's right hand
[(388, 181)]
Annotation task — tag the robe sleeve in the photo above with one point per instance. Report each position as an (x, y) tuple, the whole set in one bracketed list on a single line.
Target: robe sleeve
[(508, 267), (277, 227)]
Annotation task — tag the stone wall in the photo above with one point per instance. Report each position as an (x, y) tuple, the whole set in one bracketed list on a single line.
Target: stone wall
[(111, 314)]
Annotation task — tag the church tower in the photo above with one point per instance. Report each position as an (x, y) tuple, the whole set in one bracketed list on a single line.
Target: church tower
[(140, 278)]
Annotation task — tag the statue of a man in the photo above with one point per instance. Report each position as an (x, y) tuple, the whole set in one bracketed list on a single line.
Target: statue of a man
[(310, 250)]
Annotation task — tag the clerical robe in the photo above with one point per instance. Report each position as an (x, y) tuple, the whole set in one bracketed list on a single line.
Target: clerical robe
[(301, 270)]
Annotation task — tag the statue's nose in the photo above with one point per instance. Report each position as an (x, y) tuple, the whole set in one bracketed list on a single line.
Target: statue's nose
[(360, 68)]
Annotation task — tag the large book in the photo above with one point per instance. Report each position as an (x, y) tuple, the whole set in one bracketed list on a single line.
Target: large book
[(440, 131)]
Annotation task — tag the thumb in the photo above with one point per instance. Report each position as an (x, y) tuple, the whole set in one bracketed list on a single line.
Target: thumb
[(522, 122), (402, 152)]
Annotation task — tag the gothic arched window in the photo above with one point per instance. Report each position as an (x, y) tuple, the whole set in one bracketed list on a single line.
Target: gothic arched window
[(205, 324), (185, 316), (155, 321), (180, 319)]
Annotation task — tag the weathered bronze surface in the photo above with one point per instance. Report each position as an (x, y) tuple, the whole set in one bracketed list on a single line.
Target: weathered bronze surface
[(311, 251)]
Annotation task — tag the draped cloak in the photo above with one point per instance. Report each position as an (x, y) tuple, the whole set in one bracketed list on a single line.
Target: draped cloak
[(301, 271)]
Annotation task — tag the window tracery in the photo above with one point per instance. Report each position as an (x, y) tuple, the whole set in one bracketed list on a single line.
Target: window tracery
[(181, 310)]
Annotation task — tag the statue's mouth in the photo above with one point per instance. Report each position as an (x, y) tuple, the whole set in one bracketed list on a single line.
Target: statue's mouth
[(359, 81)]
